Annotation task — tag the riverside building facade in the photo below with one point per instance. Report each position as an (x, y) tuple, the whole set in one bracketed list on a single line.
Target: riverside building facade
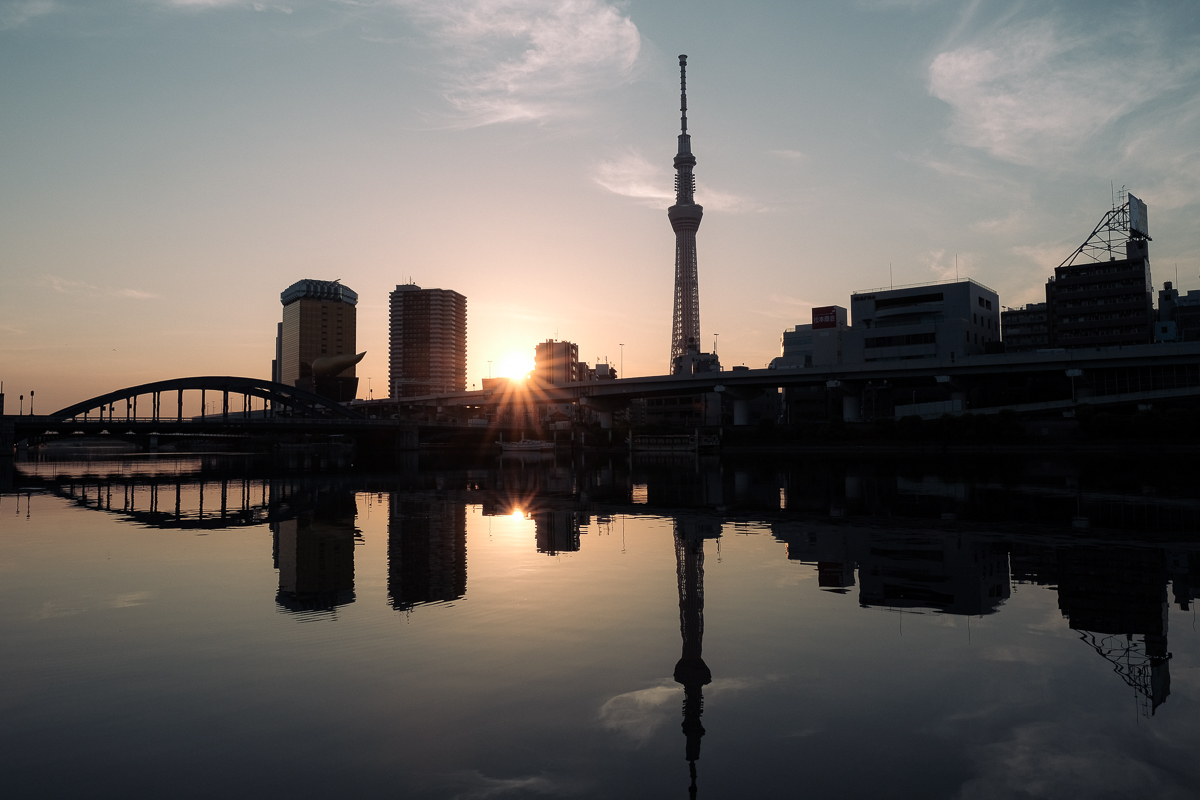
[(427, 333)]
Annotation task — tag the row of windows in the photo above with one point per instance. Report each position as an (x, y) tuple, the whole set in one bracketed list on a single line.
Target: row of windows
[(899, 341), (1138, 299), (1094, 317), (1136, 330)]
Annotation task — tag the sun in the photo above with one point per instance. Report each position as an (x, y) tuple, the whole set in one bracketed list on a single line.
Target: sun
[(513, 365)]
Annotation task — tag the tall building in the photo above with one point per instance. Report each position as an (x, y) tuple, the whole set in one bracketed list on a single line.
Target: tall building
[(1026, 328), (685, 218), (315, 342), (1105, 301), (556, 362), (428, 341)]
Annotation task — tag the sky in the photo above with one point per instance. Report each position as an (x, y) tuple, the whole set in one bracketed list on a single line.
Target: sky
[(168, 167)]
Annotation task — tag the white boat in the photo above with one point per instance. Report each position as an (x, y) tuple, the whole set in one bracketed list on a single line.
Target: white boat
[(526, 446)]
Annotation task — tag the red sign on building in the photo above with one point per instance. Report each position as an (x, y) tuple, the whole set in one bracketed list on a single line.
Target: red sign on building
[(824, 317)]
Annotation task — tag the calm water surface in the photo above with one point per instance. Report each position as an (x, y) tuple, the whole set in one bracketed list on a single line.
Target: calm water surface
[(180, 626)]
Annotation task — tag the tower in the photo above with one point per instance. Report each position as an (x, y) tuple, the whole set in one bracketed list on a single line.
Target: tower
[(685, 221), (315, 343), (427, 351)]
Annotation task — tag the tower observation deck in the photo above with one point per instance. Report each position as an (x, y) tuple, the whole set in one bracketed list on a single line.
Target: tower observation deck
[(685, 220)]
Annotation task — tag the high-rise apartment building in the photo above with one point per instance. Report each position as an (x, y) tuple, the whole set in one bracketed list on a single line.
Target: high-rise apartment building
[(557, 362), (1103, 303), (316, 340), (1097, 299), (428, 341)]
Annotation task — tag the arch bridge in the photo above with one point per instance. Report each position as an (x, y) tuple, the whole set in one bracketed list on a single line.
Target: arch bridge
[(211, 404)]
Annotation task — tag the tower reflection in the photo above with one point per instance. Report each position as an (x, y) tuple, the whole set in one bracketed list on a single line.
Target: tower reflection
[(690, 670)]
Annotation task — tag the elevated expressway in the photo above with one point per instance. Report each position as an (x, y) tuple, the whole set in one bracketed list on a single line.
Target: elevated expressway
[(1022, 382)]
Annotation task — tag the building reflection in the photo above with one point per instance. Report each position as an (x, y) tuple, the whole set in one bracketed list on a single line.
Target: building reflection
[(1116, 598), (427, 552), (314, 553), (953, 574), (558, 531)]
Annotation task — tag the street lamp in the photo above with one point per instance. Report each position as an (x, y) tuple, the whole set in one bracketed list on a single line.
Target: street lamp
[(31, 402), (370, 391)]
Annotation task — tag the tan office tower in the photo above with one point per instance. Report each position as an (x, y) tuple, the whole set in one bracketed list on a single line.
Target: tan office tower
[(317, 339), (428, 341)]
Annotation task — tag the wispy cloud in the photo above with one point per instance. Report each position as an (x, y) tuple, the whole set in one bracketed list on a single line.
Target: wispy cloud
[(639, 714), (16, 14), (790, 155), (944, 265), (888, 5), (1050, 760), (68, 286), (65, 286), (1030, 94), (513, 60), (630, 174)]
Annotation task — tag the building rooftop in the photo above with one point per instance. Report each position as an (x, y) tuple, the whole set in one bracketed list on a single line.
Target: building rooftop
[(309, 289), (919, 285)]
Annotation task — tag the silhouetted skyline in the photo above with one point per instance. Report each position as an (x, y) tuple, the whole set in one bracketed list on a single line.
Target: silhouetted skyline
[(156, 202)]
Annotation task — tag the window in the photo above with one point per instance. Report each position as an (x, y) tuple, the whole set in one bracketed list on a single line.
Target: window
[(980, 299), (989, 305)]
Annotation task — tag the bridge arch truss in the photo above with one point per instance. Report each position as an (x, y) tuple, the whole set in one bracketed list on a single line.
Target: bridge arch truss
[(258, 398)]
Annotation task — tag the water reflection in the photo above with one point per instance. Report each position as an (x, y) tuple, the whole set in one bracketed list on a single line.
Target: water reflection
[(690, 670), (427, 551), (314, 552), (902, 536)]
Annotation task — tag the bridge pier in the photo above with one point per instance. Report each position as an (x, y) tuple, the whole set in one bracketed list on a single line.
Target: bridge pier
[(741, 411), (8, 435), (603, 408), (741, 402)]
